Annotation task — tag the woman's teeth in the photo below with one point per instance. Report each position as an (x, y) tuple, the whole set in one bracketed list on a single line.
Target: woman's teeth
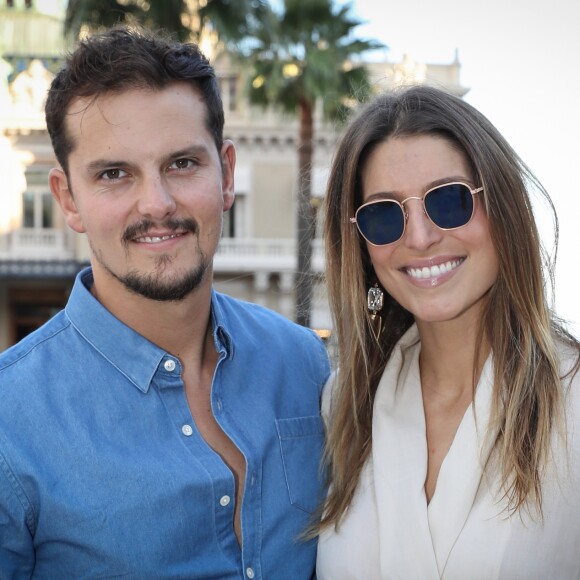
[(433, 271)]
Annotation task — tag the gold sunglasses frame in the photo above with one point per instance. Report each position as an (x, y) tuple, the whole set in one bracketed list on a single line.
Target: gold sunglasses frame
[(401, 204)]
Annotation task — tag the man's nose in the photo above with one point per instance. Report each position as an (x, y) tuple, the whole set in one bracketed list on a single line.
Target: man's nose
[(155, 198)]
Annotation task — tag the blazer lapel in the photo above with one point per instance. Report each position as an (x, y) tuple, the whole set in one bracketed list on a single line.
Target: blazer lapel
[(461, 472), (400, 467)]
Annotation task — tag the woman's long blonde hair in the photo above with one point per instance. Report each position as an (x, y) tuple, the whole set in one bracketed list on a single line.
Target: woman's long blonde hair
[(516, 323)]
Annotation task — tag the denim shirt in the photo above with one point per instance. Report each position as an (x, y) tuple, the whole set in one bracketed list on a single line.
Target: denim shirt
[(102, 470)]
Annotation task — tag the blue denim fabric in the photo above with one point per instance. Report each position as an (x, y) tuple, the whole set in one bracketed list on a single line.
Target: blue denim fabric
[(103, 473)]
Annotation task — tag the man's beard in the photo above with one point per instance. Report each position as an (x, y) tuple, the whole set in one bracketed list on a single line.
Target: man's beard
[(173, 289), (154, 286)]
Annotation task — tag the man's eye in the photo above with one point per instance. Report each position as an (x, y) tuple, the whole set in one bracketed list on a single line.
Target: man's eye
[(181, 164), (113, 174)]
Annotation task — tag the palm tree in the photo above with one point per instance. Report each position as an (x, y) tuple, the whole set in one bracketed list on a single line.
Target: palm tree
[(185, 18), (299, 57)]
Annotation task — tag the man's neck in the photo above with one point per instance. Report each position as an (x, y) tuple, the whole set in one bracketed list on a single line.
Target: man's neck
[(179, 327)]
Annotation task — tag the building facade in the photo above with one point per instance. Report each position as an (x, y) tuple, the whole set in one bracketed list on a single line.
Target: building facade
[(256, 259)]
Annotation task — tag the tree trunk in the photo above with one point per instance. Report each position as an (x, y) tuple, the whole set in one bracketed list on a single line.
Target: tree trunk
[(306, 222)]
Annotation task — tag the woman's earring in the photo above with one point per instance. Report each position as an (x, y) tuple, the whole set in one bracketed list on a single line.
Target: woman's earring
[(375, 301)]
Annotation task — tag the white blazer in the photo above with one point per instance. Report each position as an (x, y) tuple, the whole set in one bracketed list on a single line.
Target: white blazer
[(389, 531)]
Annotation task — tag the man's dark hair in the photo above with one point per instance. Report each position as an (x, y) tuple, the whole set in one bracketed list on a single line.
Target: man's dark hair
[(123, 59)]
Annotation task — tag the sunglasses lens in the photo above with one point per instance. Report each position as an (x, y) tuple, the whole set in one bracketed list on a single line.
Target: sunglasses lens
[(381, 223), (449, 206)]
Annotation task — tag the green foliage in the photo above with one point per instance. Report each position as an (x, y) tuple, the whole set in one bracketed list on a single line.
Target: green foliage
[(303, 52), (233, 19), (307, 52), (99, 14)]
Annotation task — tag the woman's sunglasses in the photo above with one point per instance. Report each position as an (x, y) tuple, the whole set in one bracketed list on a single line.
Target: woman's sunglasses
[(448, 206)]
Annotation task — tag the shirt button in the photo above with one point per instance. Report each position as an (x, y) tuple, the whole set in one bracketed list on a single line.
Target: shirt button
[(169, 365), (187, 430), (250, 573), (224, 500)]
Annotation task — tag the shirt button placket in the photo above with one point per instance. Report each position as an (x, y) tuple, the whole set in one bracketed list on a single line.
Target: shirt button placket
[(250, 572)]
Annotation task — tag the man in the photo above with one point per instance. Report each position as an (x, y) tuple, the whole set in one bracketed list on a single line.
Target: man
[(154, 428)]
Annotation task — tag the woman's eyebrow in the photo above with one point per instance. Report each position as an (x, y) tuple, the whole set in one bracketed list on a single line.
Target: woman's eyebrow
[(400, 195)]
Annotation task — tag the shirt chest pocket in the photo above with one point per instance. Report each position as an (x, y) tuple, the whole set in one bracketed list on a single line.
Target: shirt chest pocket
[(301, 443)]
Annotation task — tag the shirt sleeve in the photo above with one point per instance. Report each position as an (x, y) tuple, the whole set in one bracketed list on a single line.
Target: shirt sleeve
[(16, 547)]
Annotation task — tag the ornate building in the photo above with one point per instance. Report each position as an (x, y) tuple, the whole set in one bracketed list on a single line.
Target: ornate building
[(256, 260)]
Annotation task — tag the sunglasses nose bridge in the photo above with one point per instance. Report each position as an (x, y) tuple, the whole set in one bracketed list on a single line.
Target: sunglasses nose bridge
[(406, 211)]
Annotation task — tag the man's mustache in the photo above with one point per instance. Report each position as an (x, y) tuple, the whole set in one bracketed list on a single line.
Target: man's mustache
[(143, 227)]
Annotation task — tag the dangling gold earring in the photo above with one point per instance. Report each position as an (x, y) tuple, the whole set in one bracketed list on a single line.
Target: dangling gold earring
[(375, 301)]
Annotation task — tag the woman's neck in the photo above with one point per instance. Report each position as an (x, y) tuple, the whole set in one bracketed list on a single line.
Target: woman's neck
[(451, 357)]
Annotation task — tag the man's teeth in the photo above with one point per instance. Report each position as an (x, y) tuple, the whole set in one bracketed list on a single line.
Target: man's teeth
[(155, 239), (433, 271)]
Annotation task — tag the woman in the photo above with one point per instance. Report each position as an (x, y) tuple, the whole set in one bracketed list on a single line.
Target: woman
[(454, 434)]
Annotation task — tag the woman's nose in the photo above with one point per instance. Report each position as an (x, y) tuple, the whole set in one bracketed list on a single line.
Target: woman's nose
[(420, 231)]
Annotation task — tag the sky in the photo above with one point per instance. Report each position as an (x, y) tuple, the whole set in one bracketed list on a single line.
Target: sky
[(521, 63)]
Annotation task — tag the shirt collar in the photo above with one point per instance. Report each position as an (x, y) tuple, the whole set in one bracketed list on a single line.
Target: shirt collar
[(222, 325), (132, 354)]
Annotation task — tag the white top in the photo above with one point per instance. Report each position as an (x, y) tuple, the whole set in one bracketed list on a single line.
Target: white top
[(389, 531)]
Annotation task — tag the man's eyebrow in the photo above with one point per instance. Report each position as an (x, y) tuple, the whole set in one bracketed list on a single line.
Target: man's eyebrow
[(193, 151), (102, 164)]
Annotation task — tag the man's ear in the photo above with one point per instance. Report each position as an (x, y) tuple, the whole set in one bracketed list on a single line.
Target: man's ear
[(61, 191), (228, 158)]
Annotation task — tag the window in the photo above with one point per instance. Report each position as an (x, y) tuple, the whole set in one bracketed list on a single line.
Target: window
[(27, 4), (229, 223), (37, 209), (31, 307), (237, 221), (229, 92)]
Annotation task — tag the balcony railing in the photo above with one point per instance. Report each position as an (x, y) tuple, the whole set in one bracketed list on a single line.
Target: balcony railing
[(256, 254), (35, 244)]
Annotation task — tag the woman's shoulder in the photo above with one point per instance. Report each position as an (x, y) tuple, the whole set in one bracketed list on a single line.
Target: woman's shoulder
[(405, 351), (328, 394)]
